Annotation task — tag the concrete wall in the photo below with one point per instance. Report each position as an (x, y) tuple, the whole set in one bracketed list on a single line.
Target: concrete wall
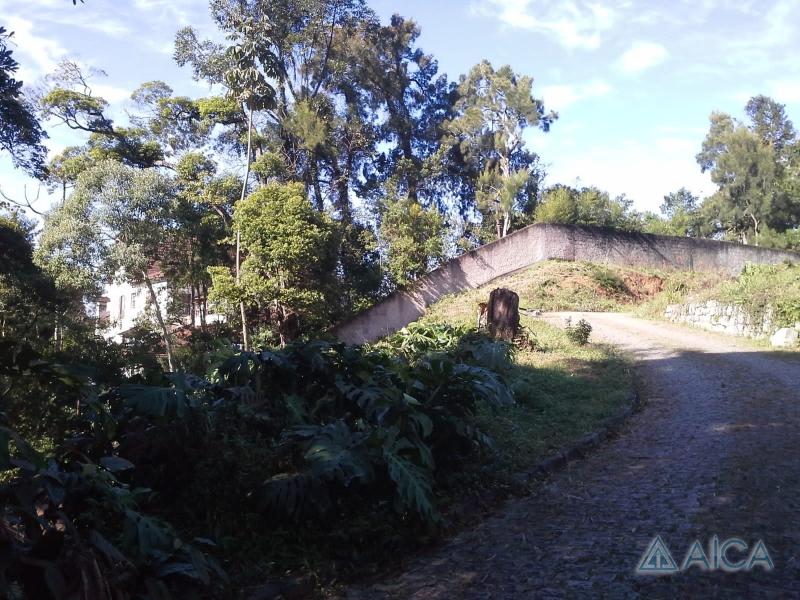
[(543, 242)]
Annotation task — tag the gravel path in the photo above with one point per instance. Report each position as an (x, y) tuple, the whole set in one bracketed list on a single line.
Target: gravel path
[(713, 452)]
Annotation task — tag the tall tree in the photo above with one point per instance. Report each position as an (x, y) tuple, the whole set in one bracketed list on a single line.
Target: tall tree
[(112, 226), (70, 100), (291, 254), (752, 168), (409, 100), (768, 120), (494, 108), (20, 133)]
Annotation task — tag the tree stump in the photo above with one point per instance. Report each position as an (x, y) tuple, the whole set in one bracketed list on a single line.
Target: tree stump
[(502, 314)]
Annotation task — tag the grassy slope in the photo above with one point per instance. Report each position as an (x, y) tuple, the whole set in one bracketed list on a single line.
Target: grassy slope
[(563, 285), (562, 390)]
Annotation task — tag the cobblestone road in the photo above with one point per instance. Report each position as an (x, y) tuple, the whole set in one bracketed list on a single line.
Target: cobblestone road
[(713, 452)]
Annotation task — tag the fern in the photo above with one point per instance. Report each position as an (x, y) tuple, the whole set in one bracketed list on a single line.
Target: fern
[(413, 483), (155, 401)]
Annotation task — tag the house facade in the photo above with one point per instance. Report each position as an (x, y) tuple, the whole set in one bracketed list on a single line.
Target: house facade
[(125, 305)]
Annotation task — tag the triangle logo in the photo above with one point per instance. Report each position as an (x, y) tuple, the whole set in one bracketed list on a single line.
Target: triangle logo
[(657, 560)]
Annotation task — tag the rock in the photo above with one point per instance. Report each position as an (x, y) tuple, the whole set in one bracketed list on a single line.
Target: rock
[(785, 337)]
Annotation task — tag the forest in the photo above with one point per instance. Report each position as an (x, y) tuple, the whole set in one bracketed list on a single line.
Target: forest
[(333, 164)]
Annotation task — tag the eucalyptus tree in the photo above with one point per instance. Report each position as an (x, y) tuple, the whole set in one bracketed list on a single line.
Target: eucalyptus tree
[(754, 168), (493, 110), (111, 226)]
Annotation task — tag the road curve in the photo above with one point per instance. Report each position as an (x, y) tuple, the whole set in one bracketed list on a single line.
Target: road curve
[(713, 452)]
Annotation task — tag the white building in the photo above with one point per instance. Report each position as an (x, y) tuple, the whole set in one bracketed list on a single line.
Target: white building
[(123, 306)]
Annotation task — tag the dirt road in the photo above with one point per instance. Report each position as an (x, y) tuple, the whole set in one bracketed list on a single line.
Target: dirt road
[(714, 452)]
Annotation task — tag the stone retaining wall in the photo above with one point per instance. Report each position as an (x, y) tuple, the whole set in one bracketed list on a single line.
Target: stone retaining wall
[(723, 318), (543, 242)]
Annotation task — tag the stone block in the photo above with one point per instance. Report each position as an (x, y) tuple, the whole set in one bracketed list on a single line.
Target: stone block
[(785, 337)]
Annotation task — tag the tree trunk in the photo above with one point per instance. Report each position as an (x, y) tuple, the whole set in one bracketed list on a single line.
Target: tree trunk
[(57, 332), (203, 306), (160, 319), (502, 314), (192, 303), (245, 338)]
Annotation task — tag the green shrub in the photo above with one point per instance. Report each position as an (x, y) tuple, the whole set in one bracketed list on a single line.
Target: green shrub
[(608, 280), (307, 439), (579, 332)]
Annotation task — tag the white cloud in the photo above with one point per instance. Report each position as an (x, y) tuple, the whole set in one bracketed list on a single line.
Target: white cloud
[(645, 172), (559, 97), (178, 12), (641, 56), (785, 90), (573, 24), (110, 93), (36, 55)]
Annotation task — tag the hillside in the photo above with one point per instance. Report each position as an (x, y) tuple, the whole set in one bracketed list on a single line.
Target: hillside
[(556, 285)]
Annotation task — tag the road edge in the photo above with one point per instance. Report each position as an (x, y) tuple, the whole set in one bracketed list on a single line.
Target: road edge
[(586, 443)]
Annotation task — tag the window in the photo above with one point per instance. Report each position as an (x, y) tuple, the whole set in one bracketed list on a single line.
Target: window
[(121, 307), (133, 300)]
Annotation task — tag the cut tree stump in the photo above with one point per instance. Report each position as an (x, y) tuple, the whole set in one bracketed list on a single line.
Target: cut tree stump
[(502, 314)]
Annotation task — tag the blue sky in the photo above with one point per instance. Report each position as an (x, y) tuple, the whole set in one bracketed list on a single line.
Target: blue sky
[(633, 81)]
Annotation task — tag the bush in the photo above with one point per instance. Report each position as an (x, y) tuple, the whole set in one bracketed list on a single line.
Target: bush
[(308, 439), (579, 333)]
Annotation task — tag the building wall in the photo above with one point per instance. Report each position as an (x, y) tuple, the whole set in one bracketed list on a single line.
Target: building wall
[(135, 299), (543, 242)]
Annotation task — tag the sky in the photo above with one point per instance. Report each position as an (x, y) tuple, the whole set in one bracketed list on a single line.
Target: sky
[(633, 81)]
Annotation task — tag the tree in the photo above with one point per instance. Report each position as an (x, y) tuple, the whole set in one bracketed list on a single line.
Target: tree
[(27, 295), (559, 205), (587, 206), (494, 108), (64, 168), (112, 225), (320, 129), (413, 239), (768, 120), (290, 255), (20, 133), (754, 167), (745, 172), (681, 210), (410, 101), (201, 213)]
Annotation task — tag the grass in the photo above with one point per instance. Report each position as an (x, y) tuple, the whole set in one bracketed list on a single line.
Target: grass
[(562, 390), (556, 285)]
